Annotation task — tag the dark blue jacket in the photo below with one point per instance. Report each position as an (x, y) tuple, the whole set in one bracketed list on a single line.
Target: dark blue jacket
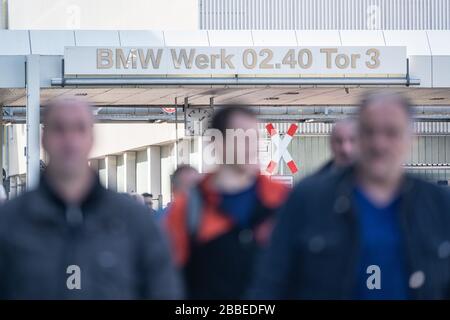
[(313, 252), (114, 241)]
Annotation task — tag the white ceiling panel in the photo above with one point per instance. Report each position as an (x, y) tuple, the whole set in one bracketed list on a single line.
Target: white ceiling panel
[(416, 41), (230, 38), (97, 38), (186, 38), (318, 38), (362, 38), (286, 38), (439, 42), (142, 38), (51, 42), (14, 42)]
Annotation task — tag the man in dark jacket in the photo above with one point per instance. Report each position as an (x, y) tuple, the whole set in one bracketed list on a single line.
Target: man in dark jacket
[(342, 146), (72, 239), (366, 232)]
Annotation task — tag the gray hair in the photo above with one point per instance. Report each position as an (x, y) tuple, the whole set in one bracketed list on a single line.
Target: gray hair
[(387, 96)]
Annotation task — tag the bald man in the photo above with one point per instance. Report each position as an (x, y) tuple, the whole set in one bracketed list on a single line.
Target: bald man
[(342, 145), (73, 239)]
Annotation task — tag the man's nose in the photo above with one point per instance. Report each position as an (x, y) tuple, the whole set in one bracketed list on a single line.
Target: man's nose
[(71, 133), (379, 142), (347, 147)]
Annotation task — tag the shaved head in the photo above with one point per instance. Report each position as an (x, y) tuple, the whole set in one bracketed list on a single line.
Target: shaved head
[(66, 102), (67, 135)]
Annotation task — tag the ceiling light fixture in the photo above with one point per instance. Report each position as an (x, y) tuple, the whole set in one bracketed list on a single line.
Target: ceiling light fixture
[(271, 98)]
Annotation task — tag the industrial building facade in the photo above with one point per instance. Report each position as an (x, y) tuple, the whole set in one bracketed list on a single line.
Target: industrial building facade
[(324, 14), (139, 143)]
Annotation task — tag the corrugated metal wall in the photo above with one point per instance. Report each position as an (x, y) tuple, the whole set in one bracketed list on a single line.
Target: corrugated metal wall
[(429, 157), (314, 128), (309, 153), (325, 14)]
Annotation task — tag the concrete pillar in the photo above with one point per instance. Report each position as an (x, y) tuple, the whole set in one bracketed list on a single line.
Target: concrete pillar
[(129, 162), (200, 154), (2, 142), (12, 187), (154, 169), (94, 165), (3, 14), (33, 121), (19, 186), (120, 169), (111, 172), (6, 153), (184, 151)]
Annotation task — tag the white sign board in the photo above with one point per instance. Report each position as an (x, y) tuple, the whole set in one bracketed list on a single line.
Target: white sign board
[(274, 61), (286, 180)]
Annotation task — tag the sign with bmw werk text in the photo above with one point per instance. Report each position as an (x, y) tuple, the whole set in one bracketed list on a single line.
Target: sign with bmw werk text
[(274, 61)]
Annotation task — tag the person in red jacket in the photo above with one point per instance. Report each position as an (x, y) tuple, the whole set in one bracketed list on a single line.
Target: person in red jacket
[(218, 228)]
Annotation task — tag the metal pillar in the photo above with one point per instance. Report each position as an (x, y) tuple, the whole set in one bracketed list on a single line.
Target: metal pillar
[(33, 121)]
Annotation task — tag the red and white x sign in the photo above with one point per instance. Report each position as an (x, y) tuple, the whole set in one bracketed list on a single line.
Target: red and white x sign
[(281, 145)]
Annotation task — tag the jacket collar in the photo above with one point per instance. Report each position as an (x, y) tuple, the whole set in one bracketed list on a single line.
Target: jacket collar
[(263, 186), (46, 203), (347, 183)]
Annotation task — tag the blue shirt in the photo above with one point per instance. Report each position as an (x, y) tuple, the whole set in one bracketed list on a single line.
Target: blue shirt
[(240, 205), (381, 245)]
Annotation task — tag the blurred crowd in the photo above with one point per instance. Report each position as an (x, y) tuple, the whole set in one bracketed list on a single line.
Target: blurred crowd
[(358, 228)]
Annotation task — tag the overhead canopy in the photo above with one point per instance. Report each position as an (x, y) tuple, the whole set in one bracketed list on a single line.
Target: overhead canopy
[(428, 53)]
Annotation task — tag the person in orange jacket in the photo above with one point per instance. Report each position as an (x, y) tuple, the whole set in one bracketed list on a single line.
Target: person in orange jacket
[(218, 228)]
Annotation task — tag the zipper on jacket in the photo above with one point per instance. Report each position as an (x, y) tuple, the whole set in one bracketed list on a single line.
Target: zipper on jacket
[(74, 216), (74, 220)]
